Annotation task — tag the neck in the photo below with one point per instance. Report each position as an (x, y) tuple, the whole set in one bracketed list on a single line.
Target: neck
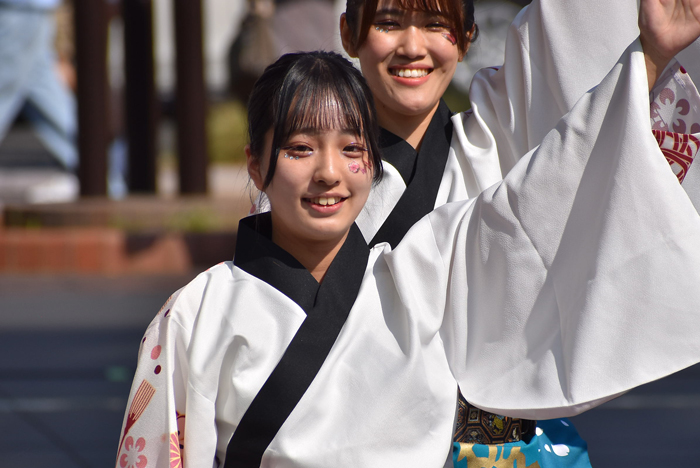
[(411, 128), (316, 256)]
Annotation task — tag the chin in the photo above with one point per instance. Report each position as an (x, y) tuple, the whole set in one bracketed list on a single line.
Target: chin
[(327, 233), (417, 108)]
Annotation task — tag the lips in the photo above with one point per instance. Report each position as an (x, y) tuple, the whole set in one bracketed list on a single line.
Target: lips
[(410, 72)]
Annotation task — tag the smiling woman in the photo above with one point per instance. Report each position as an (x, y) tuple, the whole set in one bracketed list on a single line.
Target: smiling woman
[(317, 194), (409, 52), (312, 349), (323, 123)]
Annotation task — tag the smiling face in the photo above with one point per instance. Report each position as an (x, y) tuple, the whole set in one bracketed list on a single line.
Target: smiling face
[(320, 184), (313, 151), (408, 59)]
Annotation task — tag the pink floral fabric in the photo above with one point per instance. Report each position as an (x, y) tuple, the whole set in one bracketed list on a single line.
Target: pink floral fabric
[(131, 456), (675, 102), (675, 118), (153, 429)]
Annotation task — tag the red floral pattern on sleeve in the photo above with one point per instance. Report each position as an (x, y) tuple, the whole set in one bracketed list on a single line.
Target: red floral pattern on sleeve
[(679, 149), (675, 118), (675, 102)]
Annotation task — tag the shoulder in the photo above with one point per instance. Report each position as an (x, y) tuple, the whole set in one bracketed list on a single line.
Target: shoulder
[(185, 304)]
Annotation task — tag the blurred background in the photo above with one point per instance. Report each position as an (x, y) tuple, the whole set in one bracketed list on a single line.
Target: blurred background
[(122, 127)]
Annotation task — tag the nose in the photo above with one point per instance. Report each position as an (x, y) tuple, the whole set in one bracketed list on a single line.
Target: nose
[(412, 43), (327, 170)]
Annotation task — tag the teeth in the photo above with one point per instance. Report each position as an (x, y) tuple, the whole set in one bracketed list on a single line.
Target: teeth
[(410, 72), (326, 200)]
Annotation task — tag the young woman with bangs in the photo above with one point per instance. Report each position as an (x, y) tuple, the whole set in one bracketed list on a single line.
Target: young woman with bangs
[(408, 51), (311, 349)]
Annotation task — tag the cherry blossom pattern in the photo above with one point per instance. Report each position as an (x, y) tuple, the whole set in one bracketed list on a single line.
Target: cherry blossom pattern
[(132, 456), (355, 168), (142, 398), (560, 450), (175, 453), (679, 149)]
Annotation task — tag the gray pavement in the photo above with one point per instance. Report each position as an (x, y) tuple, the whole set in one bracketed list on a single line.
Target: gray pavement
[(68, 348)]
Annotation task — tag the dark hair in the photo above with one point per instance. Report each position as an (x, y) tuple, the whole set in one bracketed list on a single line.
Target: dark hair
[(294, 93), (461, 10)]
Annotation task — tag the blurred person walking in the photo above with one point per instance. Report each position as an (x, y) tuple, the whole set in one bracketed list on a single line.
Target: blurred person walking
[(30, 84)]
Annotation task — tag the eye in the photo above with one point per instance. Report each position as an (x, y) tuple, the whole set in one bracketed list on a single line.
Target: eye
[(438, 27), (387, 24), (298, 150), (354, 150)]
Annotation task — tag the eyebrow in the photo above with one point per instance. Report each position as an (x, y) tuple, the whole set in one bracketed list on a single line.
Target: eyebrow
[(316, 131), (389, 11), (400, 11)]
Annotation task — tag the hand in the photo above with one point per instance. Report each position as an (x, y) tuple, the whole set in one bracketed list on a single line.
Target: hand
[(667, 27)]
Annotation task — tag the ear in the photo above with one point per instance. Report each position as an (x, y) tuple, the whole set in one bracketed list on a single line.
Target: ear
[(254, 169), (346, 36)]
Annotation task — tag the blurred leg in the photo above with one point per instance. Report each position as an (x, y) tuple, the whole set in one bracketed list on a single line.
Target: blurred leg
[(19, 47), (51, 106)]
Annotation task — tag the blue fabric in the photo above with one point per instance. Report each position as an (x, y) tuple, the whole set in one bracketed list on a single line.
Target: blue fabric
[(30, 84), (36, 4), (556, 444)]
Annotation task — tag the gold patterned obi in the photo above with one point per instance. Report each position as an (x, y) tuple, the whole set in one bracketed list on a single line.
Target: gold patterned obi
[(475, 426)]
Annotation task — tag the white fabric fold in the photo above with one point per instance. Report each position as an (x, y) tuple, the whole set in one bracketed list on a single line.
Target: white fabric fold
[(579, 273)]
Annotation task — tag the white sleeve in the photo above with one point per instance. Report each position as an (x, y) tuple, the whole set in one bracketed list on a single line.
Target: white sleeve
[(157, 431), (575, 279), (556, 51)]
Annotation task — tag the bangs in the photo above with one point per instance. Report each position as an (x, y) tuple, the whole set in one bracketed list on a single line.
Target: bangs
[(320, 91), (449, 8), (320, 107), (459, 12)]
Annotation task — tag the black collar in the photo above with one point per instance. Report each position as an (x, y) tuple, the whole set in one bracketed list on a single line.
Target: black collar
[(422, 171), (327, 307)]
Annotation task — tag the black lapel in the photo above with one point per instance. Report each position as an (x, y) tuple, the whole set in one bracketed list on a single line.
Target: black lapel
[(262, 258), (419, 197), (326, 315), (399, 153)]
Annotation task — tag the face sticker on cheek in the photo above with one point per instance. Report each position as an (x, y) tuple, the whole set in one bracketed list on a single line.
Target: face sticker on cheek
[(450, 37), (355, 168)]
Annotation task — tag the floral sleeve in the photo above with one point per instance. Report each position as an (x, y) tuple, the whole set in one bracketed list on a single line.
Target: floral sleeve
[(675, 118), (153, 430)]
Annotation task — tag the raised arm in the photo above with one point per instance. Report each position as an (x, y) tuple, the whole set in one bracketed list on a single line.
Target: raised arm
[(666, 28), (573, 280), (556, 51)]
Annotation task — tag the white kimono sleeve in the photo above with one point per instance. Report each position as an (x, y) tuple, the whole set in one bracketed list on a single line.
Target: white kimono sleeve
[(157, 431), (576, 278), (556, 51)]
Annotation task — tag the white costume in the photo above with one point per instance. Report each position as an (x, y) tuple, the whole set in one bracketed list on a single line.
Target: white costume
[(556, 51), (573, 280)]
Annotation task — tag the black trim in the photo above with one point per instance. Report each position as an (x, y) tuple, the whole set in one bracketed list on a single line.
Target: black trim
[(262, 258), (399, 153), (326, 314), (419, 197)]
